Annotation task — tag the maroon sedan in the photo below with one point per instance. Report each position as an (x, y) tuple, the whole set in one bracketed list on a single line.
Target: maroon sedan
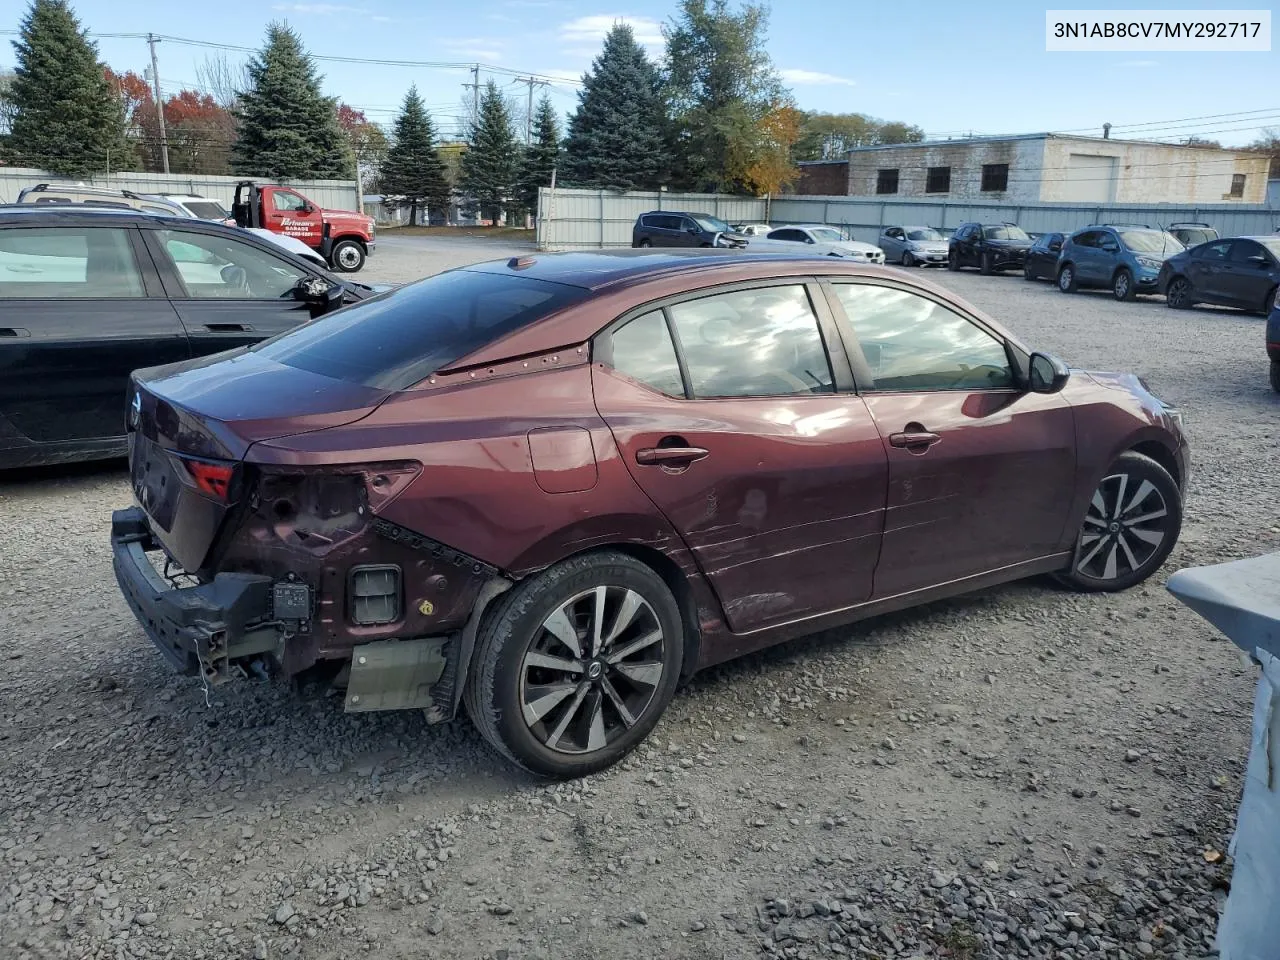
[(554, 487)]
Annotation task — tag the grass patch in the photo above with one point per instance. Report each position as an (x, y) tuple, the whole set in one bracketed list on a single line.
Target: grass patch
[(963, 943)]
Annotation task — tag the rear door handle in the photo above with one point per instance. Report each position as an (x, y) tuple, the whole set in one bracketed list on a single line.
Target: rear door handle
[(670, 456), (913, 438), (14, 332), (228, 327)]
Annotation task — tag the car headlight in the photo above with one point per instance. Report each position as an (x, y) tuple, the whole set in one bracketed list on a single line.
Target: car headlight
[(1148, 263)]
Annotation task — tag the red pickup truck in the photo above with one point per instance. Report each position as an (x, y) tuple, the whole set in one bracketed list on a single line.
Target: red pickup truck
[(342, 237)]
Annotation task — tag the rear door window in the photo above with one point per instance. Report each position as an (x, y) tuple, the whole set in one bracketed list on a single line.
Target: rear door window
[(83, 263), (395, 340), (763, 342), (642, 349), (1215, 251)]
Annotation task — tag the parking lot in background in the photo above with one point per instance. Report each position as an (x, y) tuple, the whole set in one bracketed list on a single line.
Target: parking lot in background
[(1046, 739)]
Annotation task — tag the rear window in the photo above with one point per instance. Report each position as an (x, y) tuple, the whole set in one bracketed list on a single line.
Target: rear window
[(206, 209), (395, 340)]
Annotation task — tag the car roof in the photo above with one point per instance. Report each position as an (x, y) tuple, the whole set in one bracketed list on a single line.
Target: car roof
[(598, 269), (26, 213)]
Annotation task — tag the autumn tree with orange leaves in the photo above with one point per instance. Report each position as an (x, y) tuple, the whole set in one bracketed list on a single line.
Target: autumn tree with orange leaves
[(770, 167)]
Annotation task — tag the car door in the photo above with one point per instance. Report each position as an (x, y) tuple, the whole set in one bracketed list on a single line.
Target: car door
[(1084, 255), (1248, 275), (969, 238), (730, 416), (80, 308), (227, 291), (293, 214), (981, 472), (1206, 270), (893, 242)]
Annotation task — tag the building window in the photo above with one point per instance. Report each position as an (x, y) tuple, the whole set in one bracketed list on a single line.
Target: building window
[(995, 177), (887, 181), (1237, 185), (938, 180)]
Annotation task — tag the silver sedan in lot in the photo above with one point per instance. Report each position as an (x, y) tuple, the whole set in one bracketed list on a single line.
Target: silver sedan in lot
[(912, 246)]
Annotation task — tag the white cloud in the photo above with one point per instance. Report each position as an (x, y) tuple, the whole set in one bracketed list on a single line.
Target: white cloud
[(594, 28), (813, 78)]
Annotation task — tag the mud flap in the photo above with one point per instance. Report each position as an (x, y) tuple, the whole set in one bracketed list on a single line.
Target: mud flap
[(395, 674)]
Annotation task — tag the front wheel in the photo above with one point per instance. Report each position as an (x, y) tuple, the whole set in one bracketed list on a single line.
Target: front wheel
[(1270, 300), (1027, 272), (644, 243), (1178, 294), (1130, 527), (347, 256), (908, 260), (986, 266), (1067, 279), (953, 261), (576, 664), (1122, 285)]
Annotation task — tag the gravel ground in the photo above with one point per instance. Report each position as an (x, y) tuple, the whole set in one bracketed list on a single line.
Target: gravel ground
[(1021, 772)]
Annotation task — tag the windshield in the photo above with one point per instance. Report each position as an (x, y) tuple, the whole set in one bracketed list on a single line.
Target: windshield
[(923, 233), (826, 233), (1150, 241), (207, 209), (395, 340), (712, 224), (1191, 237), (1004, 233)]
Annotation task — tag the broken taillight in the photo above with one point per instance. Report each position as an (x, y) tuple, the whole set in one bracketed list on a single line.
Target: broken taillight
[(212, 477)]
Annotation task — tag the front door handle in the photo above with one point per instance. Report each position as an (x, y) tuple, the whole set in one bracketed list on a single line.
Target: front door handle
[(913, 439), (670, 456), (227, 327)]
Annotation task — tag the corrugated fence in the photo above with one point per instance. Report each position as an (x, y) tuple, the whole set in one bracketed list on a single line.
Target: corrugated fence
[(589, 219), (334, 194)]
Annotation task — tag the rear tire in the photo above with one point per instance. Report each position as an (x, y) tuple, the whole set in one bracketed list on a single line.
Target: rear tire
[(1122, 286), (1269, 304), (1067, 279), (347, 256), (953, 261), (543, 698), (644, 243), (1275, 375), (986, 265), (1027, 272), (1130, 527)]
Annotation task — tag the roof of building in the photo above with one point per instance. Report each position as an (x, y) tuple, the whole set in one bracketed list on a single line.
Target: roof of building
[(963, 141)]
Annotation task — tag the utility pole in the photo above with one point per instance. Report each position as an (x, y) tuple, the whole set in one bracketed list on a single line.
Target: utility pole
[(155, 82), (474, 86), (528, 113)]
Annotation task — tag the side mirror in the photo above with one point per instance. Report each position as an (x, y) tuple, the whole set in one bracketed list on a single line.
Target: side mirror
[(308, 208), (319, 294), (1055, 247), (1048, 374)]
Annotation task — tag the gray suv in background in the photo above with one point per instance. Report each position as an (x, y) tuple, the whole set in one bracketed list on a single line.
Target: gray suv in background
[(667, 228)]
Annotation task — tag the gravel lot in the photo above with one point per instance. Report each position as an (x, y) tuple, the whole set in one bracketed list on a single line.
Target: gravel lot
[(1022, 772)]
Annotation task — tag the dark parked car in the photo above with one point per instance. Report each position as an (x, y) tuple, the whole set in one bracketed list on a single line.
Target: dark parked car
[(89, 294), (991, 247), (666, 228), (1239, 272), (553, 487), (1273, 345), (1126, 259), (1042, 258)]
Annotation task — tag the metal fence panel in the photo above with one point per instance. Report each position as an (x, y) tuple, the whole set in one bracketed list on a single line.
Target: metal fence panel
[(331, 194), (571, 219)]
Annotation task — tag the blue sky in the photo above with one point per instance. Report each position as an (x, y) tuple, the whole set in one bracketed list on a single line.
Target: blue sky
[(950, 68)]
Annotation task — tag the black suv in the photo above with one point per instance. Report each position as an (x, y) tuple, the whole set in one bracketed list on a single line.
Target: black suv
[(991, 247), (667, 228), (88, 295)]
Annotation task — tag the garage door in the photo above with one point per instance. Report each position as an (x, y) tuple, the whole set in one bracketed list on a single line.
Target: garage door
[(1090, 178)]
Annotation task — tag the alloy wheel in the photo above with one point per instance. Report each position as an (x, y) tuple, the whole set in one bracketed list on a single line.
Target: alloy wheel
[(1124, 528), (1066, 280), (592, 669), (1178, 294), (1123, 284)]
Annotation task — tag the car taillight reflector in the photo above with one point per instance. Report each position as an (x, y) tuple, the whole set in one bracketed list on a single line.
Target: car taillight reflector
[(212, 477)]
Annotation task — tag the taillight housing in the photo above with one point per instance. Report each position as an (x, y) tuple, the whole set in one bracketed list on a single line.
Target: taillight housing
[(211, 477)]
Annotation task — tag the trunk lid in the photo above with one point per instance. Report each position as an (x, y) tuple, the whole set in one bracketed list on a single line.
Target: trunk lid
[(190, 418)]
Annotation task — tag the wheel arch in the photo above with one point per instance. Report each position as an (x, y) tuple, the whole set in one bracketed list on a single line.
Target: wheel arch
[(1161, 454), (364, 244)]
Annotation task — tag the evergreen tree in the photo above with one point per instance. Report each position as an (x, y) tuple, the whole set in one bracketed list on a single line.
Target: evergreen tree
[(492, 162), (616, 134), (65, 117), (288, 129), (541, 157), (412, 166)]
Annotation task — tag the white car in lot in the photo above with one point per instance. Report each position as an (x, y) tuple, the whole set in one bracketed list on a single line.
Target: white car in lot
[(820, 240), (752, 229)]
